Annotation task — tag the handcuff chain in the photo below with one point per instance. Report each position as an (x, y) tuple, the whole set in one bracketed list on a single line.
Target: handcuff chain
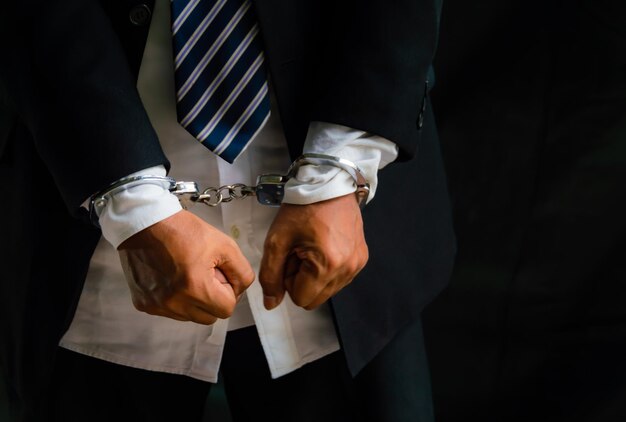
[(212, 196)]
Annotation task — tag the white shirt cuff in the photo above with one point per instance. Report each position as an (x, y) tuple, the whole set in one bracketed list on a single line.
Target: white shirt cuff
[(132, 210), (319, 183)]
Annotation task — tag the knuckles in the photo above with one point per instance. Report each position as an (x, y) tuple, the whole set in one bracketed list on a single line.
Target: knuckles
[(300, 301), (273, 243), (249, 278), (225, 310), (349, 263), (140, 305), (147, 307)]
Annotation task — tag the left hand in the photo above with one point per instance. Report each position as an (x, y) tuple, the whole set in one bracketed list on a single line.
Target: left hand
[(312, 252)]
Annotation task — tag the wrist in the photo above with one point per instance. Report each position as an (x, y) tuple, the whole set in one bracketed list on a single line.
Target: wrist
[(128, 209), (317, 183), (318, 177), (99, 201)]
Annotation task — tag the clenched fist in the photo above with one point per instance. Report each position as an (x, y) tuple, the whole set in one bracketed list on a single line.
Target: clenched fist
[(313, 251), (185, 269)]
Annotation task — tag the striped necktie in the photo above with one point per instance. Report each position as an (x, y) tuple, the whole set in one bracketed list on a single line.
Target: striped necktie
[(221, 85)]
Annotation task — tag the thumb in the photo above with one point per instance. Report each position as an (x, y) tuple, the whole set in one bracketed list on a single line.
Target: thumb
[(219, 275), (236, 270), (271, 275)]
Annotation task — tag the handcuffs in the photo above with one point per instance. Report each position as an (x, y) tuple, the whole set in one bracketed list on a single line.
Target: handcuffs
[(269, 189)]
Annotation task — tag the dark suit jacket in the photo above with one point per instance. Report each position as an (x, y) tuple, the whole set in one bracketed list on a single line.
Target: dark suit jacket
[(78, 124)]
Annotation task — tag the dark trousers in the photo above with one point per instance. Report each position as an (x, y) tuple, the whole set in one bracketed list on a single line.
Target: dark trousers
[(395, 386)]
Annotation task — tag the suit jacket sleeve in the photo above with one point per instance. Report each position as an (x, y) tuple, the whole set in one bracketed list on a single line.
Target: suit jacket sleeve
[(378, 54), (66, 73)]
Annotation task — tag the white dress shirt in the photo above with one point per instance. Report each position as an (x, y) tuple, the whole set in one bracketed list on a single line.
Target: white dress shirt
[(107, 326)]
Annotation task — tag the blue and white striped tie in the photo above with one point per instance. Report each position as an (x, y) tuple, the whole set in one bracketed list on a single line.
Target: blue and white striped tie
[(221, 85)]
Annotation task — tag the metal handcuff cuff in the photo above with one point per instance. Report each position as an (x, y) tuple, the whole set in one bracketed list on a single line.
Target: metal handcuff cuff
[(269, 189)]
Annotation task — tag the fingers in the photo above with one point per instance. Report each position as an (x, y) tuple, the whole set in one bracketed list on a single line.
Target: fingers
[(219, 275), (192, 313), (170, 268), (188, 312), (221, 299), (175, 309), (292, 266), (205, 297), (271, 273), (329, 291), (308, 283), (311, 289), (158, 311), (312, 251), (220, 303), (200, 316), (207, 290), (209, 300), (236, 269), (318, 277)]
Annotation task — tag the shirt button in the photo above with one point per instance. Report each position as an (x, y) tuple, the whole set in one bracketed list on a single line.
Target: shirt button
[(140, 14), (234, 232)]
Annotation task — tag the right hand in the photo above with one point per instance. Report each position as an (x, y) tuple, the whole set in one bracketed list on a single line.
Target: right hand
[(185, 269)]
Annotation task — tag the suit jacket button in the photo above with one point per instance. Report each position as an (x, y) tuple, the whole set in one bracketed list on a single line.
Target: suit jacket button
[(140, 15)]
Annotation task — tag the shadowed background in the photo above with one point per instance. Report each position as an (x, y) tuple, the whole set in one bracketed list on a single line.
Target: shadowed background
[(531, 106)]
